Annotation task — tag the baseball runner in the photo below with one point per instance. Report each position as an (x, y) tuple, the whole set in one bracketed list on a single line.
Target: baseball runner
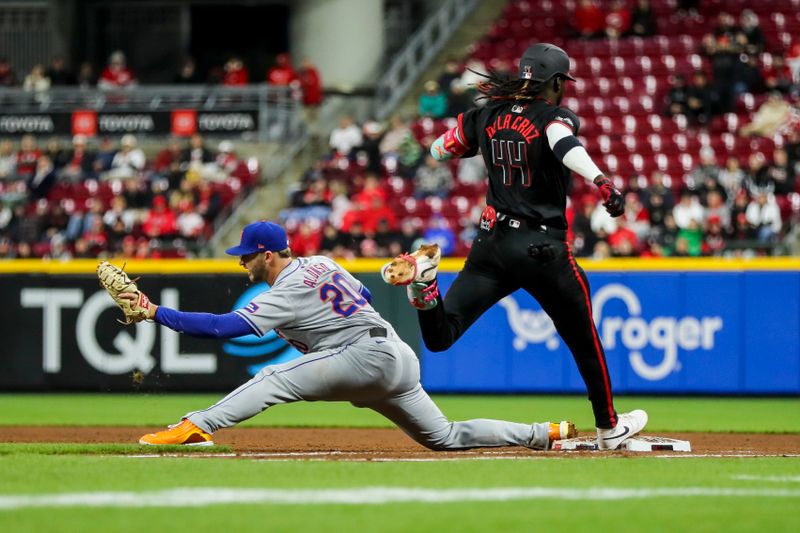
[(351, 353), (529, 145)]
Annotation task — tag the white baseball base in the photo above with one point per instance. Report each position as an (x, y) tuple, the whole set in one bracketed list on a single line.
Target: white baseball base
[(640, 443)]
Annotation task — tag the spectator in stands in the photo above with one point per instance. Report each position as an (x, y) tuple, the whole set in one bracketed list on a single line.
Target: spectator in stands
[(714, 240), (207, 200), (433, 101), (702, 99), (95, 236), (282, 74), (643, 21), (119, 213), (82, 222), (105, 155), (36, 82), (589, 20), (751, 29), (58, 72), (764, 216), (723, 50), (57, 155), (370, 146), (707, 168), (172, 153), (117, 75), (190, 223), (43, 179), (776, 74), (688, 209), (187, 73), (716, 208), (226, 159), (7, 76), (757, 179), (657, 209), (433, 179), (689, 242), (451, 73), (86, 77), (27, 156), (793, 59), (459, 100), (196, 154), (8, 160), (731, 177), (400, 144), (770, 117), (439, 232), (345, 137), (128, 162), (236, 74), (618, 20), (781, 172), (310, 83), (623, 242), (678, 96), (79, 161), (749, 79), (160, 221)]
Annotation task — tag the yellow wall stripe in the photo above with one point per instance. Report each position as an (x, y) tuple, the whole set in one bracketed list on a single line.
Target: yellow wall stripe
[(360, 266)]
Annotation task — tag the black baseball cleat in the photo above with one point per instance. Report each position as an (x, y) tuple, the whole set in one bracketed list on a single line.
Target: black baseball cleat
[(628, 425)]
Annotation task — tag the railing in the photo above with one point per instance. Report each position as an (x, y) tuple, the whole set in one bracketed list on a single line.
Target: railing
[(421, 48), (267, 113)]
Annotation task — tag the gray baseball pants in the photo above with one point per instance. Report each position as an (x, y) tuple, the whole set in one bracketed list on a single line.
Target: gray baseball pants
[(379, 373)]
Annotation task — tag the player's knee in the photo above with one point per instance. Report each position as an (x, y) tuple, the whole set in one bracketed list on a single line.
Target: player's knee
[(440, 440), (438, 345)]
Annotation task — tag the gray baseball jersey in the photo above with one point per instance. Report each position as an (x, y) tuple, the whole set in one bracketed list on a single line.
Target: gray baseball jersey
[(352, 355), (314, 304)]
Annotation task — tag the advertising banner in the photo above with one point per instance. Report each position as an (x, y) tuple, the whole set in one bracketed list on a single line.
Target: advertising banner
[(734, 332), (64, 335), (663, 332), (179, 122)]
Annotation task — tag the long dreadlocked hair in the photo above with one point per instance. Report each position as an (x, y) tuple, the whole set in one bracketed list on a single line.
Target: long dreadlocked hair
[(501, 87)]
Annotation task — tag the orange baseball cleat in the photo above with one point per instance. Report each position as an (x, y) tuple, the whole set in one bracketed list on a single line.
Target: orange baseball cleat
[(560, 431), (184, 432)]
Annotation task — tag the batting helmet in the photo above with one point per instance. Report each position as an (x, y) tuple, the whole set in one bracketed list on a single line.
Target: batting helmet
[(542, 61)]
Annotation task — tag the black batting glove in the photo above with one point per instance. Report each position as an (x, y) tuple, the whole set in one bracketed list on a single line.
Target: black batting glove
[(613, 200)]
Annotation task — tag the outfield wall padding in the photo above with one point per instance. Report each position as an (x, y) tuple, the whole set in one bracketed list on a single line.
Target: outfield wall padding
[(710, 328)]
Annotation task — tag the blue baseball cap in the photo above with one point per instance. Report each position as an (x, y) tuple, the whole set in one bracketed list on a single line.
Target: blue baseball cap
[(261, 236)]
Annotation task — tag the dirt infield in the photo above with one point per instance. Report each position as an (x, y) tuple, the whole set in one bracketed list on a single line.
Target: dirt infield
[(338, 443)]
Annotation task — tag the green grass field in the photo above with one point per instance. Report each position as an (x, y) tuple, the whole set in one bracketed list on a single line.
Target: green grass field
[(49, 487)]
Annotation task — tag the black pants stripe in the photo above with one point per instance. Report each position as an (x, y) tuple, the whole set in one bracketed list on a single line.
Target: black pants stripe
[(498, 264)]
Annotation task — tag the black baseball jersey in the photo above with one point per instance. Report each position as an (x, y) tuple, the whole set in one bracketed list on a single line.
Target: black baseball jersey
[(525, 177)]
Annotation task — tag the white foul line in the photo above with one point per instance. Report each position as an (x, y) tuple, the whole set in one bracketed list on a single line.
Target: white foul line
[(778, 479), (201, 497)]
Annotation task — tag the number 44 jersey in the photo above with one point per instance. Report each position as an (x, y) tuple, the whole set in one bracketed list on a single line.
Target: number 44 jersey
[(525, 178), (314, 304)]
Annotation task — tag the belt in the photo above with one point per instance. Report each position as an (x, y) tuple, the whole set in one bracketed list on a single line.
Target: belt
[(516, 222), (378, 332)]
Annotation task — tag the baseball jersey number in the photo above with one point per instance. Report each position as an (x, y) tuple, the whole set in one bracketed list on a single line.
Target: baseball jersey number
[(344, 299), (510, 155)]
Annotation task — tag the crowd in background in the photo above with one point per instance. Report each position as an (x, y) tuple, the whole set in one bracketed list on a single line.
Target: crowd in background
[(377, 192), (118, 74), (348, 205), (107, 198)]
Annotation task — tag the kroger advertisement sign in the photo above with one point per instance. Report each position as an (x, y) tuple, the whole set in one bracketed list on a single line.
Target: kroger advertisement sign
[(677, 332)]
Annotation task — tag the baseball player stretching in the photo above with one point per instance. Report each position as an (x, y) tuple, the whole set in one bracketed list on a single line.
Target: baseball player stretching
[(529, 145), (351, 354)]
